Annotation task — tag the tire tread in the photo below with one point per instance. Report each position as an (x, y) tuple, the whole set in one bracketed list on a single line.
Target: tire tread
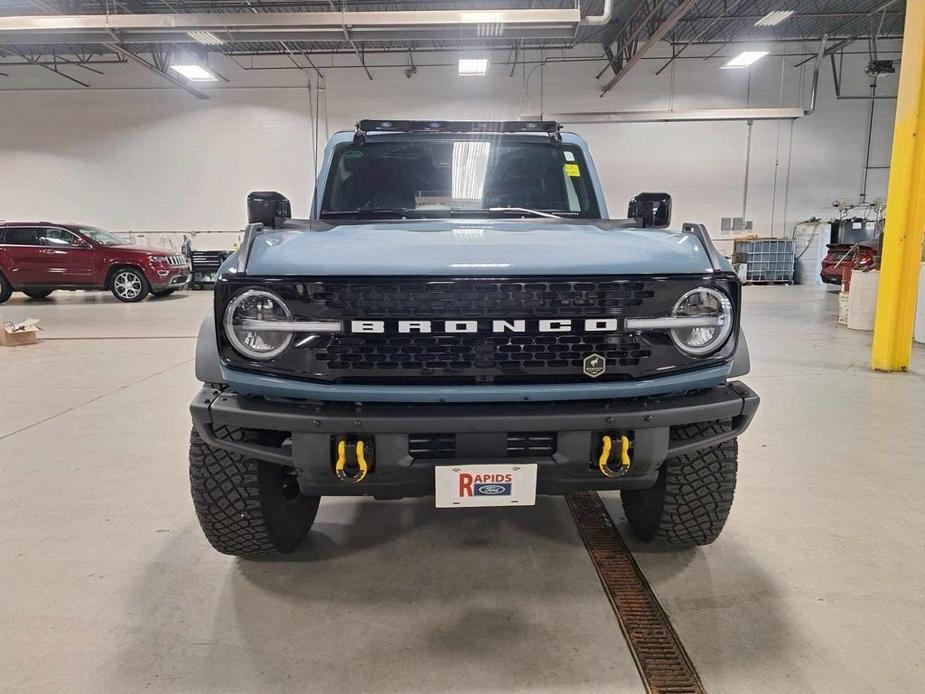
[(6, 290), (226, 494), (691, 501)]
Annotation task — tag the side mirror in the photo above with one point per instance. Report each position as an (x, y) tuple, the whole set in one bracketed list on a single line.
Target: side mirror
[(265, 207), (651, 209)]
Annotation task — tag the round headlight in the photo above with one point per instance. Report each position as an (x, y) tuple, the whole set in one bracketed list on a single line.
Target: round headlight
[(243, 317), (710, 321)]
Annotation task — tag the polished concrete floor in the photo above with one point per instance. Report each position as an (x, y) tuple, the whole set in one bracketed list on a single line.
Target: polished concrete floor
[(107, 585)]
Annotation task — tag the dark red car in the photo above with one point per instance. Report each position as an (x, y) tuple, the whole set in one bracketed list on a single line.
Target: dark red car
[(844, 257), (38, 257)]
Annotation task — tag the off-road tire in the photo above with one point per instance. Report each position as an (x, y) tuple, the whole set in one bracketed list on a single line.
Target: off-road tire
[(162, 293), (690, 502), (5, 289), (38, 293), (119, 280), (246, 507)]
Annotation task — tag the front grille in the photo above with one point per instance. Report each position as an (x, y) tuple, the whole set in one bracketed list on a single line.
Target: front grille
[(531, 355), (504, 358)]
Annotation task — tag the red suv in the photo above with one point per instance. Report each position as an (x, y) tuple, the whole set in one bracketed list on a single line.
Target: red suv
[(38, 257)]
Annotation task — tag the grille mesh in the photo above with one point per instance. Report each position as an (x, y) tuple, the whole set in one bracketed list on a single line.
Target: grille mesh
[(504, 299), (432, 445), (455, 353), (518, 444), (531, 443)]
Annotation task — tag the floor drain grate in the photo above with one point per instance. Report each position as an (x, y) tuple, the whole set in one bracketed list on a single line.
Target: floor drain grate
[(663, 663)]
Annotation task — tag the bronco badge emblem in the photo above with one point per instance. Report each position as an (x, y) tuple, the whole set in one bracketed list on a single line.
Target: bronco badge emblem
[(594, 365)]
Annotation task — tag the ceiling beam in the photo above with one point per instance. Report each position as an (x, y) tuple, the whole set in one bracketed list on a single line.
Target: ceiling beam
[(851, 39), (676, 53), (627, 45), (51, 67), (725, 17), (115, 48), (176, 81), (692, 115)]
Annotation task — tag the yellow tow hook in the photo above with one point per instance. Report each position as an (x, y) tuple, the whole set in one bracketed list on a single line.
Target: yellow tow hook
[(341, 463), (606, 447)]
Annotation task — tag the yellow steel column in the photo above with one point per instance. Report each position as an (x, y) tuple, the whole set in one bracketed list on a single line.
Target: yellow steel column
[(905, 206)]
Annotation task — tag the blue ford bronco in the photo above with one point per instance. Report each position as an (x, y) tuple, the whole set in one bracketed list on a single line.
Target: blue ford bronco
[(460, 317)]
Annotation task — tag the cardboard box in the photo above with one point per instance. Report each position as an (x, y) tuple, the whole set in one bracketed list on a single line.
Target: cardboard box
[(11, 338)]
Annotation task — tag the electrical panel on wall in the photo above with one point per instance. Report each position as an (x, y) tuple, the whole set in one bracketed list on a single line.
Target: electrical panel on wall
[(730, 224)]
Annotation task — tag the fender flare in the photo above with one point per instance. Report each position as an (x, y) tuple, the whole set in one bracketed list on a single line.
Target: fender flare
[(741, 363), (208, 361)]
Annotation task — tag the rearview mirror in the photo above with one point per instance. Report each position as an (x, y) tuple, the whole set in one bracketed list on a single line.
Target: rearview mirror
[(651, 209), (265, 207)]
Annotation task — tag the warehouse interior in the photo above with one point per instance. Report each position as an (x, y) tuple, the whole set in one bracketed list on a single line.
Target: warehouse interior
[(155, 120)]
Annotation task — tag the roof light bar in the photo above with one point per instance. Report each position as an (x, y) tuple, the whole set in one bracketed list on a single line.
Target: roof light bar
[(459, 126), (206, 38), (773, 18), (194, 73), (744, 59), (548, 127)]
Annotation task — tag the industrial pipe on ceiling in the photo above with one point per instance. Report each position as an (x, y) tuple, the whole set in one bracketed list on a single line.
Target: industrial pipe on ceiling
[(600, 19)]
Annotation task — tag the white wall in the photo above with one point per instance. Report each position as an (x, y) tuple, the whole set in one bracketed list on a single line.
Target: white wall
[(132, 153)]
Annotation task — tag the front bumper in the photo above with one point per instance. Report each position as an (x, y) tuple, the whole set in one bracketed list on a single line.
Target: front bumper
[(303, 435), (168, 278)]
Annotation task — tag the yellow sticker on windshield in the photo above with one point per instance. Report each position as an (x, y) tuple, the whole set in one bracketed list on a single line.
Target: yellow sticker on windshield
[(572, 170)]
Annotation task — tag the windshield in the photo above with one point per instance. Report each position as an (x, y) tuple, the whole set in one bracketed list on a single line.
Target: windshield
[(441, 177), (101, 236)]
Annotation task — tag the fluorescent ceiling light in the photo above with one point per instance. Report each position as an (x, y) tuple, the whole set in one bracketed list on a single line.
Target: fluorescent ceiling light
[(773, 18), (490, 24), (194, 73), (482, 17), (473, 66), (207, 38), (744, 59)]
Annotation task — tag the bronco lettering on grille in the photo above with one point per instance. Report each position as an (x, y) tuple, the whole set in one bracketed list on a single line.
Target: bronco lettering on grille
[(498, 327)]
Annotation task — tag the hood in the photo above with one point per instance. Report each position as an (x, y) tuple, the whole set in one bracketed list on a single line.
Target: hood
[(148, 250), (476, 248)]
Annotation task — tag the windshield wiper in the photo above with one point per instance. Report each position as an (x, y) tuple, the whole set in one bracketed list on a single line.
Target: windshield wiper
[(396, 212), (515, 211)]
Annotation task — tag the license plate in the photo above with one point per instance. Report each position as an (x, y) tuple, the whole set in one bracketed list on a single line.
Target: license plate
[(485, 485)]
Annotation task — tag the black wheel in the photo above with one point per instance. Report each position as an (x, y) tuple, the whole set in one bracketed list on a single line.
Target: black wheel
[(689, 504), (5, 289), (38, 293), (129, 285), (162, 293), (247, 507)]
